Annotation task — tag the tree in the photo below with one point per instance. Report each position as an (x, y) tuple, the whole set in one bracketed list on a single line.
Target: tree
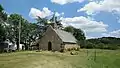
[(13, 33), (78, 34), (2, 33), (69, 29), (9, 28), (3, 17), (43, 24), (55, 20), (105, 42), (1, 8)]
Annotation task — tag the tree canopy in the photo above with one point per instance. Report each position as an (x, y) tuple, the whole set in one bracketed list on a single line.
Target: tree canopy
[(103, 43), (1, 8), (78, 34)]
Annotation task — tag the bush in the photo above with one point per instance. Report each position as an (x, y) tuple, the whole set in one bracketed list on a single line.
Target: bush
[(111, 47), (100, 46), (69, 49), (1, 50), (73, 48), (89, 45), (77, 49), (62, 50)]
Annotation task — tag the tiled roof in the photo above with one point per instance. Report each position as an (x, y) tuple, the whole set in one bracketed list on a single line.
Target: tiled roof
[(65, 36)]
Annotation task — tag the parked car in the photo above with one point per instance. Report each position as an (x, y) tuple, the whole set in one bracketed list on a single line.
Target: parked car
[(4, 47), (7, 46)]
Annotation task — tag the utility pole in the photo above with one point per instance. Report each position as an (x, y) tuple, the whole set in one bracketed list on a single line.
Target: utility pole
[(19, 33)]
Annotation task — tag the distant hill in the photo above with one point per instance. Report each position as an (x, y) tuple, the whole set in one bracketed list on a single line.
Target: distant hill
[(103, 43)]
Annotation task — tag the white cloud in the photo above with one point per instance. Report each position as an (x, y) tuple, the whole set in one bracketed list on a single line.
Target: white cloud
[(62, 2), (90, 37), (85, 23), (102, 5), (90, 8), (34, 13), (59, 14), (112, 34)]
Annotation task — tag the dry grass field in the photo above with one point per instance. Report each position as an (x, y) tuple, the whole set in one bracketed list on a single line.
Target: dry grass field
[(46, 59)]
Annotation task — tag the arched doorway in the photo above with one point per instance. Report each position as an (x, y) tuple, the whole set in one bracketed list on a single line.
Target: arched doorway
[(49, 46)]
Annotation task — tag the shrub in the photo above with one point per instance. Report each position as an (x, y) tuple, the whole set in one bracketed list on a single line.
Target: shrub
[(100, 46), (77, 49), (89, 45), (111, 47), (73, 48), (62, 50), (68, 49)]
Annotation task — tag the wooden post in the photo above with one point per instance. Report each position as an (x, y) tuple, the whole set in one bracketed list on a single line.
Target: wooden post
[(95, 55), (19, 34), (87, 52)]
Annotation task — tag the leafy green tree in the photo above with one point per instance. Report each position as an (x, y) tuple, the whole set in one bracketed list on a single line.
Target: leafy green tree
[(89, 45), (28, 30), (2, 33), (3, 17), (1, 8), (9, 28), (13, 33), (105, 43), (69, 29), (42, 26), (29, 33), (78, 34), (55, 20)]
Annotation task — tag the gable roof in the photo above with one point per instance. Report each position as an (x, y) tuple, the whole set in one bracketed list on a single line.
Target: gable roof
[(65, 36)]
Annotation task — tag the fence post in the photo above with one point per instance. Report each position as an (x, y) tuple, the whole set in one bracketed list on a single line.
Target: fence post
[(95, 55)]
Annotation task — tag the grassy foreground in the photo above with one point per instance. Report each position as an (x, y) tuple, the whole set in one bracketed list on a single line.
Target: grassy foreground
[(45, 59)]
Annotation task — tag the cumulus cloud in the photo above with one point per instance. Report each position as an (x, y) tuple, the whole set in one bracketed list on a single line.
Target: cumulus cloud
[(62, 2), (84, 23), (45, 12), (90, 8), (101, 5), (115, 33), (59, 14), (34, 13)]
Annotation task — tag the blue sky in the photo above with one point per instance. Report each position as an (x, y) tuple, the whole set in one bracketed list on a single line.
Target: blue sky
[(97, 18)]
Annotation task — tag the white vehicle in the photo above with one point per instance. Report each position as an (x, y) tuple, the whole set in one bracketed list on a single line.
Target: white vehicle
[(9, 46)]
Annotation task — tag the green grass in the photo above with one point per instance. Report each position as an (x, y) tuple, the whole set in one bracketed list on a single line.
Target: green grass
[(45, 59)]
